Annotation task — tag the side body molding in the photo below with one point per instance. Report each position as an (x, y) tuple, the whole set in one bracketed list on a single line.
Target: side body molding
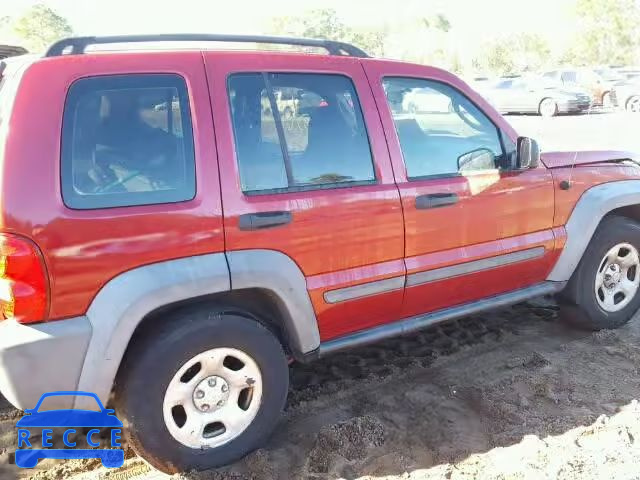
[(276, 272), (124, 301), (594, 204)]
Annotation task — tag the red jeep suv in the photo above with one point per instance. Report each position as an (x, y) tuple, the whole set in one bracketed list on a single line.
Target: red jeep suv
[(174, 232)]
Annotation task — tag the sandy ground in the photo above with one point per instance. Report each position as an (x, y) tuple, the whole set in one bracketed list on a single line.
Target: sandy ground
[(511, 394)]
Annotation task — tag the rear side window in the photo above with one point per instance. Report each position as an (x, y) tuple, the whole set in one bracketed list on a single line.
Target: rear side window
[(127, 140), (298, 131)]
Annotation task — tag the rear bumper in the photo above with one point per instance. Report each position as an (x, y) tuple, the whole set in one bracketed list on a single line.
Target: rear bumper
[(36, 359)]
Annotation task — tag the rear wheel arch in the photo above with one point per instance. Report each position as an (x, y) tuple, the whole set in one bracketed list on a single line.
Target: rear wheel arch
[(264, 285), (257, 304)]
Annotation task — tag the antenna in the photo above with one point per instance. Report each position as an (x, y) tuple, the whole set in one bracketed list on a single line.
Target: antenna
[(566, 184)]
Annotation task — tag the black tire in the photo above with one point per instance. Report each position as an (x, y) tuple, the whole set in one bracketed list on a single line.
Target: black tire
[(152, 362), (548, 108), (580, 307), (633, 104)]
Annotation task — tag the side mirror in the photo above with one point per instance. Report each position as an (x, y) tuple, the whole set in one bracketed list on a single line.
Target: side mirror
[(528, 153), (480, 159)]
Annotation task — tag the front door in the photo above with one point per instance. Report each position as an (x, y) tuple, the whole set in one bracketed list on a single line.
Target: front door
[(300, 143), (475, 226)]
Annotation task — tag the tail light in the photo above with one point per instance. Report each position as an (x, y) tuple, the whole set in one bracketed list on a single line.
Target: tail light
[(23, 280)]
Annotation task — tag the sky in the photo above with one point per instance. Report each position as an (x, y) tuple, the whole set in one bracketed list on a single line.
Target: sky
[(472, 20)]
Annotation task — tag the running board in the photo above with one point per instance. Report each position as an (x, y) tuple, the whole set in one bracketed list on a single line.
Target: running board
[(413, 324)]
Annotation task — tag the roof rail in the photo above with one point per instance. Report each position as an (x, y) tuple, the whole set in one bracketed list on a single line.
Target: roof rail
[(78, 45)]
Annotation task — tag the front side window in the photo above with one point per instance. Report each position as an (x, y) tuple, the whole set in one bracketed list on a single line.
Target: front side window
[(298, 131), (441, 132), (127, 140)]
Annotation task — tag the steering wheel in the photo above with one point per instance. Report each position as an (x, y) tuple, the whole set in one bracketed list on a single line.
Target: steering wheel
[(117, 183), (103, 160), (465, 115)]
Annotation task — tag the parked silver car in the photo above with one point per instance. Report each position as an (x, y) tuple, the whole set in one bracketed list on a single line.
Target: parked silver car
[(535, 95), (628, 95)]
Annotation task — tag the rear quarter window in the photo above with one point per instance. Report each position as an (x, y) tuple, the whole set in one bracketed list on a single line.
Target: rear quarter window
[(127, 140)]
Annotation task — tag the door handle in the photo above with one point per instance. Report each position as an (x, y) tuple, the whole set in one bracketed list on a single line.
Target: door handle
[(435, 200), (258, 221)]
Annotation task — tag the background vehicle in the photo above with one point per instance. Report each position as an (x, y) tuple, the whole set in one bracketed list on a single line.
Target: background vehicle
[(426, 101), (628, 95), (178, 258), (536, 95), (11, 51), (588, 79)]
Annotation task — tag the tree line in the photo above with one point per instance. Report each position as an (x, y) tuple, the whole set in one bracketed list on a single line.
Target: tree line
[(607, 33)]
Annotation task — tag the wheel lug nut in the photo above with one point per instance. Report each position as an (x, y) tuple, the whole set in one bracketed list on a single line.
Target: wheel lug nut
[(224, 388), (199, 394), (220, 403), (212, 382), (205, 407)]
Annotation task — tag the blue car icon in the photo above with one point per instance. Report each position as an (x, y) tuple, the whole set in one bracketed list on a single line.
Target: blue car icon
[(69, 418)]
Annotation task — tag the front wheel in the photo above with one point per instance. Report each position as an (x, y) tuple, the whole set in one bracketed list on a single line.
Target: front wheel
[(603, 291), (203, 391)]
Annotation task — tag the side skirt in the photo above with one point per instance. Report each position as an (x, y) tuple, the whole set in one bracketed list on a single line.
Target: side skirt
[(419, 322)]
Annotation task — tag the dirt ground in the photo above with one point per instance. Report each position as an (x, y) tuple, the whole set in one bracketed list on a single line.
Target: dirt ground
[(512, 394)]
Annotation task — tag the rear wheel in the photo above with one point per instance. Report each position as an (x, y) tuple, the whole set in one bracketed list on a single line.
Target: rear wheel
[(603, 291), (548, 107), (203, 391), (633, 104)]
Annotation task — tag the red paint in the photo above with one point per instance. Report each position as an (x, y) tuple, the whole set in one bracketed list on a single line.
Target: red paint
[(346, 317), (339, 237), (333, 230), (492, 206), (583, 178), (85, 249), (567, 159)]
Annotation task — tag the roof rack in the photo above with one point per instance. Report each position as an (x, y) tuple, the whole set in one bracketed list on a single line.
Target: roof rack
[(78, 45)]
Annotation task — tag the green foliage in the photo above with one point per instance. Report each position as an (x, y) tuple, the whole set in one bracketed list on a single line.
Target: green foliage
[(609, 32), (442, 23), (40, 26), (325, 24), (509, 55)]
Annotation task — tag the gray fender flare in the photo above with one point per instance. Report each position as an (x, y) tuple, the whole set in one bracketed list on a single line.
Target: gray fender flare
[(593, 205), (124, 301), (278, 273)]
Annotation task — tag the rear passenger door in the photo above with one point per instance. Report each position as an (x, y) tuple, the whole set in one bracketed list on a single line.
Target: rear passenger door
[(305, 171)]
